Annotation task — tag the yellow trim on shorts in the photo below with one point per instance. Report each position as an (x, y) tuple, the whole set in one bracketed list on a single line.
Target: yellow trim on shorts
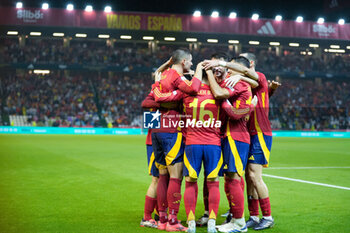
[(191, 172), (160, 166), (238, 160), (215, 172), (169, 158), (151, 160), (262, 140)]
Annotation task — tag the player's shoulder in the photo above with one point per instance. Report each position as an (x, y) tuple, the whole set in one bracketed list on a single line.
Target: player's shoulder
[(262, 76), (171, 73)]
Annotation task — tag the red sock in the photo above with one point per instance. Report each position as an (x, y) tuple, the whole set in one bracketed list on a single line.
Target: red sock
[(242, 183), (227, 190), (253, 206), (156, 211), (149, 207), (162, 189), (237, 198), (190, 199), (214, 198), (205, 195), (265, 206), (174, 198)]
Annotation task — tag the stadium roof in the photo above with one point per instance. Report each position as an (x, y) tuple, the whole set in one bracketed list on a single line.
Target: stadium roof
[(311, 10)]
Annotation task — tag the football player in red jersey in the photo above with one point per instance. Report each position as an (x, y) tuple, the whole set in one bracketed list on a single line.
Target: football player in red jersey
[(203, 144), (168, 140), (259, 153), (236, 141), (151, 195)]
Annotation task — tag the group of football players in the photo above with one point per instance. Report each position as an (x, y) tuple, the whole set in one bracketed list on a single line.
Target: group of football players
[(219, 119)]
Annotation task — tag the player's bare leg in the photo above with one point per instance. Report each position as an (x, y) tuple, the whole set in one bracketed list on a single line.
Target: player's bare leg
[(254, 174), (174, 197), (150, 204), (162, 189)]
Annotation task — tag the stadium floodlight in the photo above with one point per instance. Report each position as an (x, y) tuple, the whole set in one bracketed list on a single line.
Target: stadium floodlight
[(275, 43), (125, 37), (232, 15), (45, 6), (278, 18), (12, 33), (336, 50), (19, 5), (320, 20), (255, 16), (314, 45), (41, 71), (108, 9), (70, 7), (81, 35), (347, 47), (88, 8), (191, 39), (233, 41), (212, 40), (103, 36), (35, 33), (309, 53), (300, 19), (148, 38), (333, 46), (254, 42), (58, 34), (215, 14), (294, 44), (341, 21), (169, 38), (197, 13)]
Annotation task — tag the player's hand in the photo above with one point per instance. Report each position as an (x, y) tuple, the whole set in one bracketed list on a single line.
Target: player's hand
[(274, 84), (208, 64), (199, 71), (255, 101), (170, 61), (233, 80), (157, 76)]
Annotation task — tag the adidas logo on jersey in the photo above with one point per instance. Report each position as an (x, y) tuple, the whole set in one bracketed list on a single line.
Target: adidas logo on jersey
[(267, 29)]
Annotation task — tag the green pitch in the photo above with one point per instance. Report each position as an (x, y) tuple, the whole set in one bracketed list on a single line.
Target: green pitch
[(98, 184)]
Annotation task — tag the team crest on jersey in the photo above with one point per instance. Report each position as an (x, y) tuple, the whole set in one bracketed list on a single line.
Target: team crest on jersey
[(151, 120)]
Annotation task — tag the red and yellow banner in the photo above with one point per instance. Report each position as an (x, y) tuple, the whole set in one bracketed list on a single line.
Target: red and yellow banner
[(171, 22)]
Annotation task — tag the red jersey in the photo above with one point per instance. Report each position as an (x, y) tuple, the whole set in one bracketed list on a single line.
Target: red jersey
[(171, 81), (238, 110), (203, 111), (259, 119)]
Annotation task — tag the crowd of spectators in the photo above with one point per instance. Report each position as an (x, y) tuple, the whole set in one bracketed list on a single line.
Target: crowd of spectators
[(129, 55), (301, 104), (51, 100)]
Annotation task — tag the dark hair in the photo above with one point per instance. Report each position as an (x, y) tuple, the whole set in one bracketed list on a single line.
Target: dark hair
[(180, 54), (220, 55), (243, 61), (250, 57)]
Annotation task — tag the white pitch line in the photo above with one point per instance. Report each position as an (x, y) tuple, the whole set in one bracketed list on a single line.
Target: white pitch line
[(296, 168), (307, 182)]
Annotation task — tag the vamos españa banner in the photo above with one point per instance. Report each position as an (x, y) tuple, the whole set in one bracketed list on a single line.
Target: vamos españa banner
[(170, 22)]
